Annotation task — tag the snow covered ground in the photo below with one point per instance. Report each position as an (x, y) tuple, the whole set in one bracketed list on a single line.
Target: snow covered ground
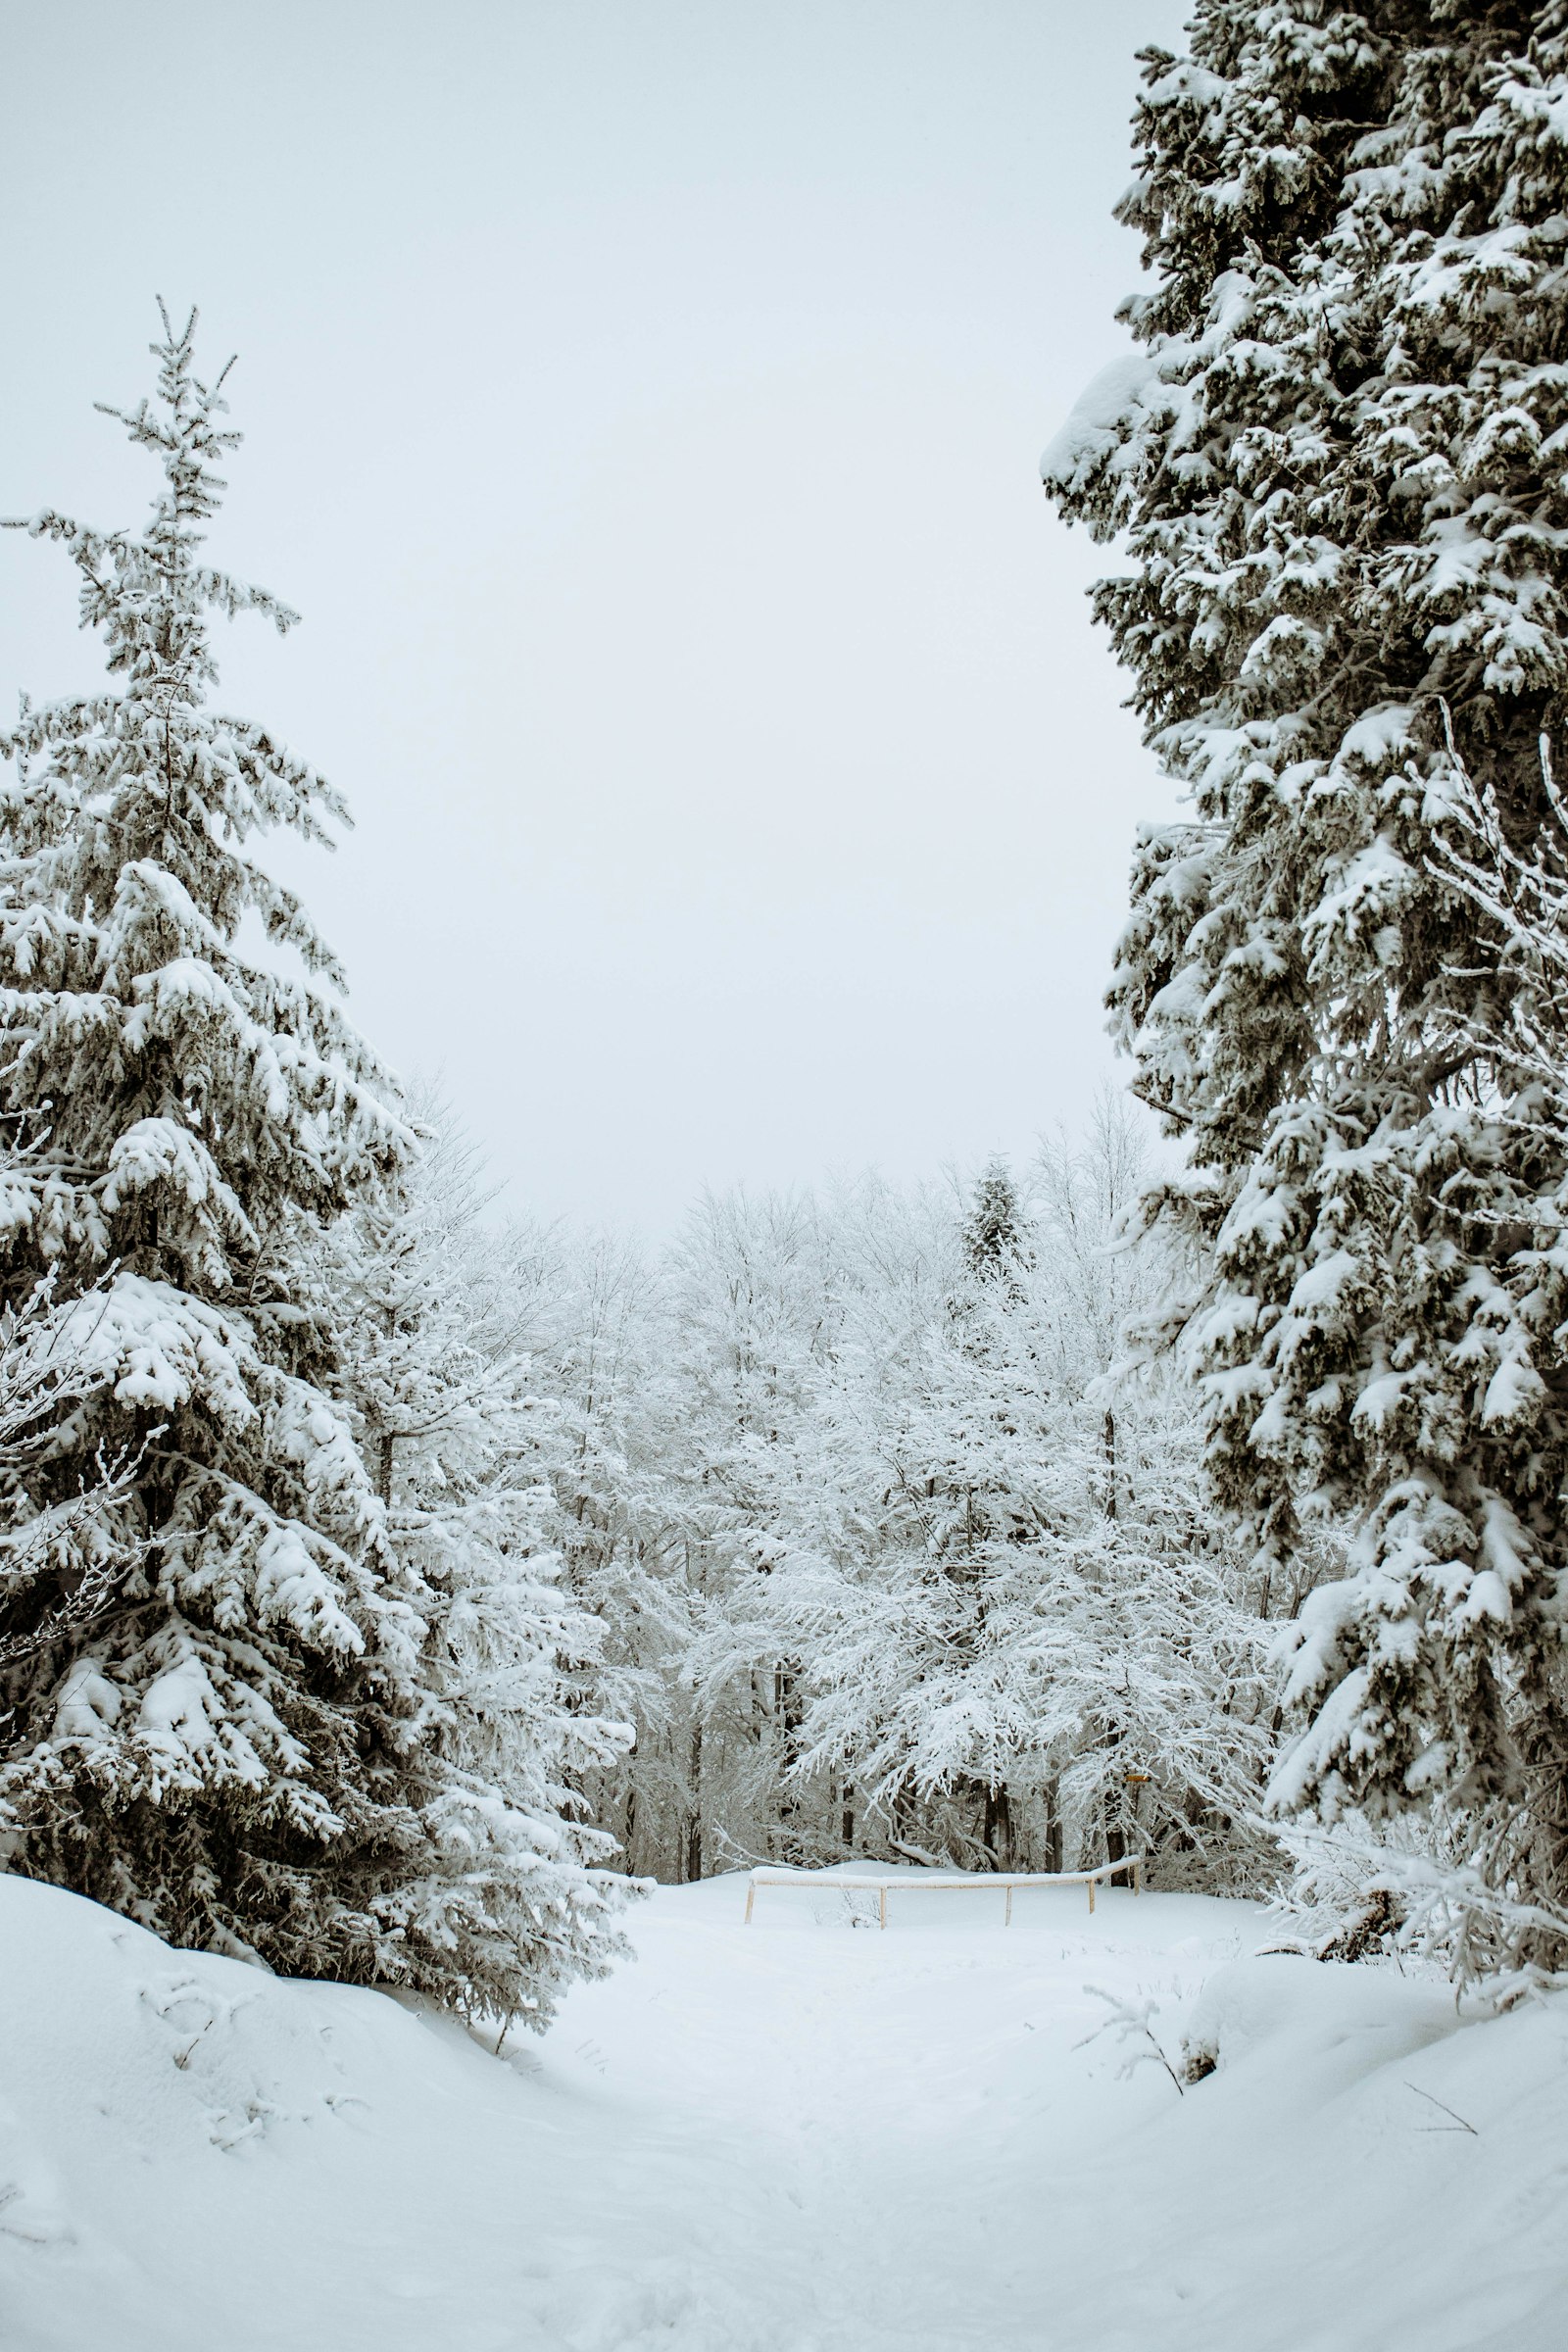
[(793, 2138)]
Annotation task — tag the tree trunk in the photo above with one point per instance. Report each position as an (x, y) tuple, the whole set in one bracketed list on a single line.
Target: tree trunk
[(1115, 1818), (694, 1827), (1053, 1846), (902, 1815), (998, 1837)]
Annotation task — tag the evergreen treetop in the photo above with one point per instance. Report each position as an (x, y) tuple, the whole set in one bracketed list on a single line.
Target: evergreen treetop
[(176, 1095), (993, 1232)]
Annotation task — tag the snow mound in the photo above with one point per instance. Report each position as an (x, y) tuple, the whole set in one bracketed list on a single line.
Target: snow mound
[(160, 2104), (1313, 2018)]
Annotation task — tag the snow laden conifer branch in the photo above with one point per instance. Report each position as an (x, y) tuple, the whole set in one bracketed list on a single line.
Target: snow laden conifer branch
[(1521, 889), (1338, 460), (62, 1567)]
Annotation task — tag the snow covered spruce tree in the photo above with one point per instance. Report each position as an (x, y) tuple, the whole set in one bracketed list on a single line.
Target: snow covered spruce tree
[(992, 1236), (1341, 463), (236, 1748)]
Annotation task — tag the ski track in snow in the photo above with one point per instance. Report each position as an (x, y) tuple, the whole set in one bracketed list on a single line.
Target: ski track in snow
[(799, 2136)]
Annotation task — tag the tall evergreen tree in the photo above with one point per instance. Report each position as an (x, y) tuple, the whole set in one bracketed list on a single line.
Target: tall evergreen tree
[(232, 1749), (1340, 460)]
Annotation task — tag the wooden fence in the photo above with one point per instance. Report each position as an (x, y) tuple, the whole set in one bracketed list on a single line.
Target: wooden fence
[(881, 1886)]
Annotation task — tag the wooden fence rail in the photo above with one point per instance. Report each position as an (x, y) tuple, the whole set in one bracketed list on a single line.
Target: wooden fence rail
[(881, 1885)]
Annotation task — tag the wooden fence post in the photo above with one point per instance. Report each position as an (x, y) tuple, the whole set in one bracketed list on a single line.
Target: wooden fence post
[(882, 1905), (751, 1898)]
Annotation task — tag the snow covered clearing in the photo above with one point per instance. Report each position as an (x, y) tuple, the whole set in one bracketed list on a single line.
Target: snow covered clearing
[(792, 2138)]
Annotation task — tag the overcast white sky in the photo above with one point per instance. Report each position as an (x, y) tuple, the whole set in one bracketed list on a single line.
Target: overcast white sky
[(643, 403)]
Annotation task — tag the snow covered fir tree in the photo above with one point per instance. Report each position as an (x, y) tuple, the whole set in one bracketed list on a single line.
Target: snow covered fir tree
[(259, 1731), (1338, 461)]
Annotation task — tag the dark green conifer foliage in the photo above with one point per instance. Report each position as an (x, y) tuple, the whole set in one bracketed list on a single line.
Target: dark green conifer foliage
[(993, 1234)]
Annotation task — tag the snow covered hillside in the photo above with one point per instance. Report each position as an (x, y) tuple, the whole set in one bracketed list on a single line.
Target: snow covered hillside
[(792, 2138)]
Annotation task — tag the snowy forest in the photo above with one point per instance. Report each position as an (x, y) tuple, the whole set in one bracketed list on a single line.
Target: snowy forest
[(394, 1582)]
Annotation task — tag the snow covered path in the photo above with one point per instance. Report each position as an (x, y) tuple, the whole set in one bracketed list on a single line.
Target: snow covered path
[(853, 2120), (795, 2138)]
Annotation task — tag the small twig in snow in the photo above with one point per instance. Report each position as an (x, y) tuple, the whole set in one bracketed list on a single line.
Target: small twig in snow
[(1129, 2020), (182, 2057), (1459, 2124)]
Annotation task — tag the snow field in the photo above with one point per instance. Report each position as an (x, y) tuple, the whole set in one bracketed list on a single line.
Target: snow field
[(800, 2137)]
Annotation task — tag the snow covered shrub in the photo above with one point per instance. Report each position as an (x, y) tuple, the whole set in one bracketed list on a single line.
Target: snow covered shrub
[(236, 1745), (1340, 461), (1439, 1888), (438, 1392)]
